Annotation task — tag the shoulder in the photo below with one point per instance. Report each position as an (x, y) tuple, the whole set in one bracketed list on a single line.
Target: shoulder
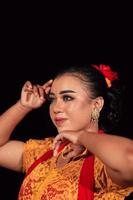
[(37, 146), (34, 143), (33, 149)]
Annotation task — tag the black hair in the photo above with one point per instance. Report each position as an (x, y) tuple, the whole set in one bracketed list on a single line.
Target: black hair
[(93, 79)]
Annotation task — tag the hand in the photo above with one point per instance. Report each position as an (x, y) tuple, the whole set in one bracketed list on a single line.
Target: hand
[(33, 96), (72, 151), (71, 136)]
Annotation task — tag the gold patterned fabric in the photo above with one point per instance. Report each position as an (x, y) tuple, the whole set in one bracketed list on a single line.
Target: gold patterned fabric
[(47, 182)]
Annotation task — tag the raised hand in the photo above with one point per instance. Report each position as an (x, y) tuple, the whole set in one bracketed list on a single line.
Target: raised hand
[(33, 96), (46, 87)]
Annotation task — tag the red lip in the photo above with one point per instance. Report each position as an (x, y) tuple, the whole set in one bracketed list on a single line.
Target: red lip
[(59, 121)]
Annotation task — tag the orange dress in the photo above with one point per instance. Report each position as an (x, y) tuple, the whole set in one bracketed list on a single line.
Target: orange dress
[(46, 182)]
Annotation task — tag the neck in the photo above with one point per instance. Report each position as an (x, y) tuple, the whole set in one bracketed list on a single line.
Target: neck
[(93, 127)]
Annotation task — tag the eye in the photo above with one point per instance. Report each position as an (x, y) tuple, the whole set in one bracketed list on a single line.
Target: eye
[(67, 98)]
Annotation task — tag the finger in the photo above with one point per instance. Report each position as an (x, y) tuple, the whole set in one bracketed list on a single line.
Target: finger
[(28, 96), (28, 90), (71, 154), (41, 92), (47, 84), (47, 89), (46, 93), (28, 85), (56, 149), (35, 90), (58, 138)]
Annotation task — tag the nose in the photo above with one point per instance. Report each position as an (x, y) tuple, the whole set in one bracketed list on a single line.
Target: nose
[(57, 107)]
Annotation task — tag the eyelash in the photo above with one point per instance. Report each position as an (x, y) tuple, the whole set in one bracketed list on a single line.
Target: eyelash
[(68, 98), (64, 97)]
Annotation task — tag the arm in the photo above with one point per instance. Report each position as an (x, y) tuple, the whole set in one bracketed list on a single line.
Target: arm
[(114, 151), (10, 119), (11, 151)]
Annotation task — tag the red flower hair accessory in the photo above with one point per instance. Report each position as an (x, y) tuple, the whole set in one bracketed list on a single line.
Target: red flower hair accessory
[(108, 73)]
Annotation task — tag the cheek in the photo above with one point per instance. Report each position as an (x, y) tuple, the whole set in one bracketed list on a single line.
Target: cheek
[(82, 110), (50, 112), (80, 107)]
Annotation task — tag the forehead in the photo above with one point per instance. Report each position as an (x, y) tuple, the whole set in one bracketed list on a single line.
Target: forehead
[(68, 82)]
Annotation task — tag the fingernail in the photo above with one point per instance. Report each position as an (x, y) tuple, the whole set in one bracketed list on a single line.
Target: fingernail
[(42, 98)]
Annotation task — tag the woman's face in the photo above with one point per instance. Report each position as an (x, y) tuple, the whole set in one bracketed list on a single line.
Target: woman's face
[(71, 105)]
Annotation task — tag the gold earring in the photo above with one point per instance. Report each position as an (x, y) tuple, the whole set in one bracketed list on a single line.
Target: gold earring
[(95, 114)]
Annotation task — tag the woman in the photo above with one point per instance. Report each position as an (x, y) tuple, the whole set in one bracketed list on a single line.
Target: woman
[(82, 161)]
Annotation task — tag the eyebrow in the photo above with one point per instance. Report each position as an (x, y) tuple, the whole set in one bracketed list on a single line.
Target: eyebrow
[(63, 92)]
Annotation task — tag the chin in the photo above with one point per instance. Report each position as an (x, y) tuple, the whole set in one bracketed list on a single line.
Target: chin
[(62, 129)]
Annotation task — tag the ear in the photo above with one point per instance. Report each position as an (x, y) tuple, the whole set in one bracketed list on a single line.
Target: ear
[(98, 103)]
